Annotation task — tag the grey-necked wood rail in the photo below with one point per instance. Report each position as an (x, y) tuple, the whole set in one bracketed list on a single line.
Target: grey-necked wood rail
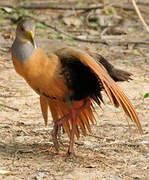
[(68, 80)]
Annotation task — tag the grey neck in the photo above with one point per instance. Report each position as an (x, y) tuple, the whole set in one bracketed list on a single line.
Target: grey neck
[(22, 50)]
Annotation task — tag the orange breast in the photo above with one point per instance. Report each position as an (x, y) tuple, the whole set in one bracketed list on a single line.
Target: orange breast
[(43, 73)]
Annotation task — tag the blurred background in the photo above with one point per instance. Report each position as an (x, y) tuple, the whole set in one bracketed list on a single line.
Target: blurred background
[(114, 151)]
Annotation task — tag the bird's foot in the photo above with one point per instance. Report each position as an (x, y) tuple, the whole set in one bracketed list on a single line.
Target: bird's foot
[(70, 152)]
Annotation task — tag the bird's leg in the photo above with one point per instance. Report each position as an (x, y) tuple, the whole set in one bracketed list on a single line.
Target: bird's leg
[(75, 114), (74, 123), (54, 137), (56, 130)]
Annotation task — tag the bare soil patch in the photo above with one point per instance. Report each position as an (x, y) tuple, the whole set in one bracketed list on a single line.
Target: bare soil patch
[(114, 150)]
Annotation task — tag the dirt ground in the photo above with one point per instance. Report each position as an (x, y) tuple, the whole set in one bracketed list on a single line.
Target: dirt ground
[(114, 150)]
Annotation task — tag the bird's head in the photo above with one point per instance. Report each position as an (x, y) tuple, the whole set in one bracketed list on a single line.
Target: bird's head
[(25, 31)]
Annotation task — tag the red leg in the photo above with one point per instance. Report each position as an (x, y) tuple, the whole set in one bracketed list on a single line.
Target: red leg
[(74, 123), (75, 114), (56, 130)]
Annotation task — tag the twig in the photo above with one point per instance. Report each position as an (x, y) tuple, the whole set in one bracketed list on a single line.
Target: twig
[(143, 3), (107, 40), (6, 96), (15, 109), (139, 14), (48, 6), (85, 8), (12, 96), (128, 7), (124, 39), (58, 30), (69, 35)]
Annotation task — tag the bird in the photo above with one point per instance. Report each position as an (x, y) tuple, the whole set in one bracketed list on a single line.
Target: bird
[(69, 81)]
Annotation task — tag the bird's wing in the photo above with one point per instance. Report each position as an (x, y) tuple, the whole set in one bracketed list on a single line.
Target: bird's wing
[(116, 74), (114, 92)]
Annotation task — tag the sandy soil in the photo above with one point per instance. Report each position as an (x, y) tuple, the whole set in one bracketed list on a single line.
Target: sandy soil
[(114, 151)]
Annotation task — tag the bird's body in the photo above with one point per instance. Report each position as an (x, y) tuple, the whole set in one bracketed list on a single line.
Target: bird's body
[(68, 80), (37, 74)]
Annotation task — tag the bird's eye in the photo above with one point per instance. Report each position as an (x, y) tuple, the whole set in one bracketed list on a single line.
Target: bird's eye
[(22, 28)]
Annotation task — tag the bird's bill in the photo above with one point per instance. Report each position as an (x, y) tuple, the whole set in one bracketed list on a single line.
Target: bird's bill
[(30, 37)]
